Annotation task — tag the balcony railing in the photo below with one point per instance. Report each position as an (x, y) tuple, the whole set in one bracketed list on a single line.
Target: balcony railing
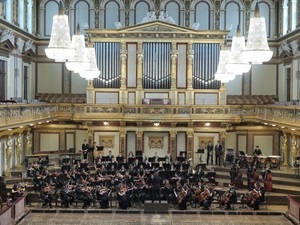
[(16, 114)]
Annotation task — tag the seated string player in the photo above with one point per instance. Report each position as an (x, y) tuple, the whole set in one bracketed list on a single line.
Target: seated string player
[(229, 197)]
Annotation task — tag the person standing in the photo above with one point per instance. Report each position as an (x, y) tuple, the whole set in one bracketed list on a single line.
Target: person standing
[(85, 148), (218, 153), (156, 182), (210, 149), (257, 151)]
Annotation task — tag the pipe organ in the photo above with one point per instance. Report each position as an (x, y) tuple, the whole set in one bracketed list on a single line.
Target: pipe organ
[(157, 58), (206, 58), (108, 61), (156, 66)]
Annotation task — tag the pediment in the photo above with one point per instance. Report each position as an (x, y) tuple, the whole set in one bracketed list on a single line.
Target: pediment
[(6, 47), (286, 55), (156, 26), (28, 53)]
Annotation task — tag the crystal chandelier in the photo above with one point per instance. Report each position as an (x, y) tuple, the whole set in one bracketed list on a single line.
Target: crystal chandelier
[(92, 71), (79, 61), (238, 63), (222, 73), (59, 47), (257, 49)]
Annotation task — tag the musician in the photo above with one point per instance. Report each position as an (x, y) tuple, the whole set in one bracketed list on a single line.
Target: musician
[(257, 151), (122, 196), (210, 149), (197, 193), (267, 178), (130, 154), (16, 192), (102, 195), (218, 153), (255, 197), (155, 157), (84, 148), (182, 198), (169, 157), (209, 196), (229, 197), (200, 173), (110, 156), (96, 153), (45, 196), (157, 180), (84, 195), (67, 195), (255, 176), (166, 191)]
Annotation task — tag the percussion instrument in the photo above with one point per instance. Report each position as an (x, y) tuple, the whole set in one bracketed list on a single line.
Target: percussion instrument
[(274, 161), (250, 160), (262, 160)]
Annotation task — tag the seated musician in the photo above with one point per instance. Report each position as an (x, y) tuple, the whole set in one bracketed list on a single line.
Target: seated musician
[(200, 173), (208, 197), (123, 196), (169, 157), (45, 196), (83, 195), (102, 195), (15, 192), (67, 195), (155, 157), (255, 197), (167, 191), (198, 191), (130, 155), (229, 197), (182, 198)]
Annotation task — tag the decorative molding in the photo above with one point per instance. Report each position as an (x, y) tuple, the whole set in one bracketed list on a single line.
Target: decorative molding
[(156, 142), (107, 141)]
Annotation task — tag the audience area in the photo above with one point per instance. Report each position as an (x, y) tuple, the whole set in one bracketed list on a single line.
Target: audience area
[(61, 98), (251, 99)]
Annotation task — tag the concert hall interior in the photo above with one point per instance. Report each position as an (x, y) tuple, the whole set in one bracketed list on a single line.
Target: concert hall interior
[(152, 112)]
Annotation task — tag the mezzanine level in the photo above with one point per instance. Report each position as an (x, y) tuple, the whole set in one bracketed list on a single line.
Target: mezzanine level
[(16, 115)]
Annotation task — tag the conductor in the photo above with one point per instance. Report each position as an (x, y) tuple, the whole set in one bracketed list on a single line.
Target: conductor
[(156, 186), (84, 148)]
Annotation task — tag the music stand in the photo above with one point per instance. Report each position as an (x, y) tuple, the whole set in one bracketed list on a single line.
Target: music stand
[(151, 159), (242, 153), (120, 159), (131, 160), (100, 148), (72, 150)]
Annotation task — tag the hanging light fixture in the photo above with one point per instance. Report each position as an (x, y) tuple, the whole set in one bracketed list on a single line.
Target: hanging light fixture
[(238, 63), (79, 61), (222, 73), (257, 49), (92, 71), (59, 47)]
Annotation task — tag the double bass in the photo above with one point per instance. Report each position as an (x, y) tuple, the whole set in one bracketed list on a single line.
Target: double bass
[(253, 196)]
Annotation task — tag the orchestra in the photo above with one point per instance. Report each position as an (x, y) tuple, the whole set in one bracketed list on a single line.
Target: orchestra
[(178, 183)]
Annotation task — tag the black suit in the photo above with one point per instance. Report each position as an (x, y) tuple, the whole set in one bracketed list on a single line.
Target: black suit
[(210, 149), (84, 148), (218, 153), (156, 187)]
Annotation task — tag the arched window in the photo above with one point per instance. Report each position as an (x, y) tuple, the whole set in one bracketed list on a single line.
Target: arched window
[(140, 11), (21, 15), (29, 15), (81, 16), (111, 14), (232, 16), (8, 13), (174, 9), (51, 9), (264, 10), (202, 15)]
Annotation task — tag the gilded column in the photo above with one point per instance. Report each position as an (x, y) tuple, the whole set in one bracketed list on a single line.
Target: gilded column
[(90, 98), (190, 144), (19, 146), (284, 150), (294, 148), (123, 56), (223, 143), (97, 13), (190, 60), (222, 95), (173, 144), (8, 156), (174, 54), (140, 56), (122, 149), (139, 140), (28, 143)]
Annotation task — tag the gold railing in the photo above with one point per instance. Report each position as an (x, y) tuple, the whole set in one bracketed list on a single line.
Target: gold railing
[(18, 114)]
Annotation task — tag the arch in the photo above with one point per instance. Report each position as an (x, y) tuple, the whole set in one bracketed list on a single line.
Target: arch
[(43, 3), (81, 13), (177, 14), (48, 17), (135, 2), (165, 2), (119, 2), (137, 15), (89, 2), (197, 12)]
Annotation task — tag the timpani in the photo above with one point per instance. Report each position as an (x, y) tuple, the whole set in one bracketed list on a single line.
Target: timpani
[(274, 161), (262, 161)]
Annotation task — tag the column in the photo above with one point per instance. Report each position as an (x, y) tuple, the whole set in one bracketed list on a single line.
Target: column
[(190, 57), (284, 150), (217, 14), (293, 15), (140, 56), (139, 140), (190, 144), (294, 148), (285, 18), (97, 13), (25, 8), (122, 149), (173, 144), (298, 15), (247, 15), (123, 56), (19, 147), (223, 143), (222, 94), (90, 139), (174, 54), (28, 143), (8, 151), (90, 98)]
